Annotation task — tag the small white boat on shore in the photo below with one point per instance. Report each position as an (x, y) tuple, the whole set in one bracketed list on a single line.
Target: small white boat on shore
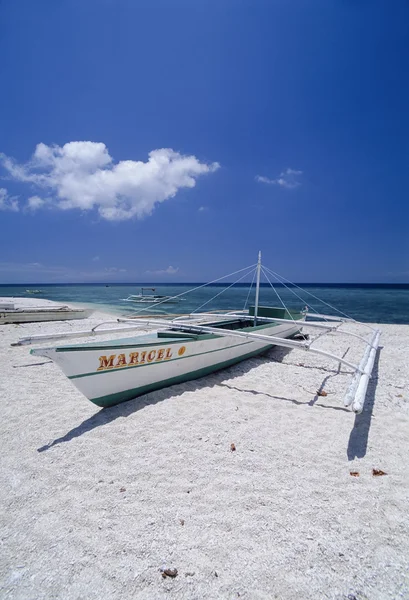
[(28, 310)]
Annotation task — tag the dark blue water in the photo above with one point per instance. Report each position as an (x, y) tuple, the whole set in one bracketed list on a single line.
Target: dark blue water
[(380, 303)]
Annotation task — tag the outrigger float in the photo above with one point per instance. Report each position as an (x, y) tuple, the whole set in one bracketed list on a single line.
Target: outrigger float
[(191, 346)]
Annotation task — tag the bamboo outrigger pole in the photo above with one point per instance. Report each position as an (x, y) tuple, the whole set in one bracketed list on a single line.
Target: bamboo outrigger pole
[(273, 340)]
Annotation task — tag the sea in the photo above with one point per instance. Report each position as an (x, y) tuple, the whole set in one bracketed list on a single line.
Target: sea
[(372, 303)]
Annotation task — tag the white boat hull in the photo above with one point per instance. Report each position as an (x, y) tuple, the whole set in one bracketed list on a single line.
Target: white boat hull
[(114, 373)]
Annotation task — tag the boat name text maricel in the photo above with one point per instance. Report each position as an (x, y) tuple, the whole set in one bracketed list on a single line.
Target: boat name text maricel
[(115, 361)]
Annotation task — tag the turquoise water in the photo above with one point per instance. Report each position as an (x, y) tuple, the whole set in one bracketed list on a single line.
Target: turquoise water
[(370, 303)]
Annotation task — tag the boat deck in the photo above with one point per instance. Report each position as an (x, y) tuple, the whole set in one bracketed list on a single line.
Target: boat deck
[(167, 336)]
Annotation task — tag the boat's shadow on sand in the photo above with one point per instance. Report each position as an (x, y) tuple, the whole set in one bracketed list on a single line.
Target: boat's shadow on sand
[(359, 435)]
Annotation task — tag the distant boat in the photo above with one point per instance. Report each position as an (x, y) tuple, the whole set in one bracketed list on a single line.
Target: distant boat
[(151, 298), (27, 310), (34, 291)]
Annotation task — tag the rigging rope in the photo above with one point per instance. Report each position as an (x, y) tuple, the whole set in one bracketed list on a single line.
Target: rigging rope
[(278, 277), (197, 288), (226, 288), (289, 289), (250, 288), (277, 294)]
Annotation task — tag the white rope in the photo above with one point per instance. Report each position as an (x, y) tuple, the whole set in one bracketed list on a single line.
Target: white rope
[(277, 294), (196, 288), (280, 277), (286, 309), (250, 288), (311, 294), (219, 294), (279, 297), (291, 290)]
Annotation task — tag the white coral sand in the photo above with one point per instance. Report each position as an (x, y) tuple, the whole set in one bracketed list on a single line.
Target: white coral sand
[(96, 502)]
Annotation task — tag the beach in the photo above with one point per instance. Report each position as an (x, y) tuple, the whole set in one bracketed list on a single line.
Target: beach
[(246, 482)]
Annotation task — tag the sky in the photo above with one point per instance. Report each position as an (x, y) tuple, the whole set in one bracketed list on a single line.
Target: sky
[(170, 140)]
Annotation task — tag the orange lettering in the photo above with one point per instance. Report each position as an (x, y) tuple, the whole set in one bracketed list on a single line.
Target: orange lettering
[(160, 354), (121, 362), (133, 358), (143, 355), (106, 363), (168, 353), (151, 355)]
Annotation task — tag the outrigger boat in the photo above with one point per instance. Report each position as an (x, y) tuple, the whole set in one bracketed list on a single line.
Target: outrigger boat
[(191, 346), (30, 310), (151, 298)]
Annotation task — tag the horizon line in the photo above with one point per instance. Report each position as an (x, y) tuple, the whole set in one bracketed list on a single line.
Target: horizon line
[(218, 284)]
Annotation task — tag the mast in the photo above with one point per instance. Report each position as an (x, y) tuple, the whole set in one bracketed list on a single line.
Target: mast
[(257, 288)]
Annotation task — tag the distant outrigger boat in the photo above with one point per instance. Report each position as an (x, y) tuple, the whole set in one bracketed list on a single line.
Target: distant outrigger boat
[(30, 310), (151, 298), (192, 346)]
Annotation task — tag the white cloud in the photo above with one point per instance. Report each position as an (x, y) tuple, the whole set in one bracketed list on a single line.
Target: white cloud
[(287, 179), (262, 179), (35, 202), (202, 208), (83, 175), (8, 202), (95, 259), (114, 270), (169, 271)]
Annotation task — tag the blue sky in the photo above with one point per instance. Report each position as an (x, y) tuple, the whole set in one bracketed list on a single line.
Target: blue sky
[(170, 140)]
